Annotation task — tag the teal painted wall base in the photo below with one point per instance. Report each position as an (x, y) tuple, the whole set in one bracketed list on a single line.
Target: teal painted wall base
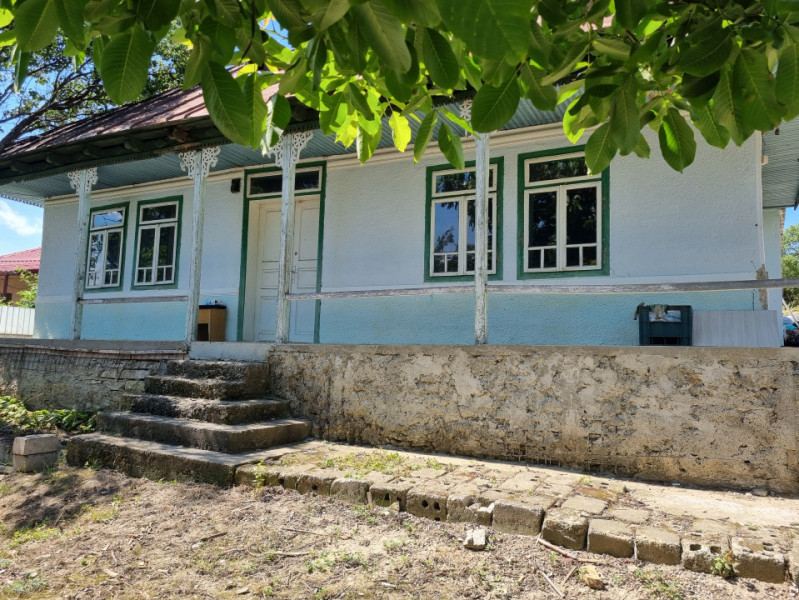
[(155, 321)]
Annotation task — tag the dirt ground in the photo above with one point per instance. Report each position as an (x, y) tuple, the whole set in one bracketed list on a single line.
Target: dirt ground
[(84, 534)]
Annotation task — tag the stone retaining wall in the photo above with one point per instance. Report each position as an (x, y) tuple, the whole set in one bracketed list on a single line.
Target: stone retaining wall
[(708, 416), (81, 375)]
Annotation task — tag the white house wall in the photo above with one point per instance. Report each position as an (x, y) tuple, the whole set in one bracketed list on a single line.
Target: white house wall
[(663, 226)]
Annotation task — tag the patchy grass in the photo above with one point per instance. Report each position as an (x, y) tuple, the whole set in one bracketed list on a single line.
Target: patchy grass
[(660, 587)]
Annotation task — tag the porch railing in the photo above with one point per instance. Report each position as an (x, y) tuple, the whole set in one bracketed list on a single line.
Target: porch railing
[(16, 321)]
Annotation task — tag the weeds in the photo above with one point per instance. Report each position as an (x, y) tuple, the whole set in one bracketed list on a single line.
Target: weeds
[(361, 464), (13, 412), (24, 586), (659, 585), (722, 566), (30, 534)]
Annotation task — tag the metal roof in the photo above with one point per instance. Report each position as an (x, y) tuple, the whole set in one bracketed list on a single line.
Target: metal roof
[(781, 173), (24, 259)]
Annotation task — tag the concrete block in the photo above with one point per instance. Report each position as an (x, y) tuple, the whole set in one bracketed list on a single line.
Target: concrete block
[(518, 517), (289, 477), (758, 560), (700, 554), (34, 462), (793, 561), (566, 528), (584, 504), (427, 501), (386, 494), (36, 444), (315, 483), (462, 504), (485, 515), (610, 537), (630, 515), (475, 539), (354, 491), (657, 545)]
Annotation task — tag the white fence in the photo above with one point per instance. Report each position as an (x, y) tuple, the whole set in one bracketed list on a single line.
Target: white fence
[(16, 321)]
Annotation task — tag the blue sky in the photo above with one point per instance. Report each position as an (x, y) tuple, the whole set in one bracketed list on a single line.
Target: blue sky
[(20, 226), (791, 216)]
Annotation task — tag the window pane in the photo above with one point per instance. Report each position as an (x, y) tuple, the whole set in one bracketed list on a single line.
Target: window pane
[(452, 263), (557, 169), (471, 224), (438, 264), (266, 184), (573, 257), (95, 251), (470, 262), (542, 211), (446, 229), (159, 213), (581, 216), (550, 258), (108, 219), (146, 247), (166, 246), (589, 255), (114, 251), (309, 180), (455, 182), (534, 259)]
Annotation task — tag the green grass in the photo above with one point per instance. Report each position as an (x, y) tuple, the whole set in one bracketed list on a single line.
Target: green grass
[(660, 587)]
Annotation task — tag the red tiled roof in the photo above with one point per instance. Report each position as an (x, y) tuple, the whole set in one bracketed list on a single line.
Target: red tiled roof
[(26, 259)]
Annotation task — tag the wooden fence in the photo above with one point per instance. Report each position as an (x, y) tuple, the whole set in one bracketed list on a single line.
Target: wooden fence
[(16, 321)]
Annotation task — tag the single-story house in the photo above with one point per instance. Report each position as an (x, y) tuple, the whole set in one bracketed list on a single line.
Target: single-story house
[(149, 213), (10, 265)]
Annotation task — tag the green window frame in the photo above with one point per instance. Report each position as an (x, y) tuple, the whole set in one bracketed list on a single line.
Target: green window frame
[(105, 258), (563, 216), (157, 247), (448, 191)]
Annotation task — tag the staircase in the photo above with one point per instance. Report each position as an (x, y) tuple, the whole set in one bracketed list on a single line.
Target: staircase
[(199, 421)]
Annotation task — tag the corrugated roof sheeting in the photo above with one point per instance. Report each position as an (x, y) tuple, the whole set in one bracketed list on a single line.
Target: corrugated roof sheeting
[(781, 174)]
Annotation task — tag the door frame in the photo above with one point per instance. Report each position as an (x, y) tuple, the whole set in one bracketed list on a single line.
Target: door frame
[(245, 228)]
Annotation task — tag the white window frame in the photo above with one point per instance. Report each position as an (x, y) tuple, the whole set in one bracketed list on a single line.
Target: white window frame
[(100, 274), (156, 225), (561, 188), (278, 173), (463, 222)]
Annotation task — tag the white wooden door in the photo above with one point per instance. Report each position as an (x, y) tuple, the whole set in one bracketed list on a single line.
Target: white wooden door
[(265, 243)]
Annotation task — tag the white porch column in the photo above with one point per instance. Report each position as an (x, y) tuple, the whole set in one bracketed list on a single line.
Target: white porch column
[(481, 166), (82, 182), (286, 153), (197, 164)]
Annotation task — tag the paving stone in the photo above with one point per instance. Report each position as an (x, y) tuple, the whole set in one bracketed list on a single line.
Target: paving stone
[(28, 463), (793, 561), (700, 554), (566, 528), (315, 482), (427, 501), (43, 443), (757, 559), (475, 539), (630, 515), (288, 477), (462, 504), (386, 494), (485, 515), (354, 491), (584, 504), (250, 475), (526, 481), (522, 517), (610, 537), (657, 545)]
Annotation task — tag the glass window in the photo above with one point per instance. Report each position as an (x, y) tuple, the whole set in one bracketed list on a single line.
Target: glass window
[(452, 222), (157, 246), (562, 217), (106, 236), (271, 184)]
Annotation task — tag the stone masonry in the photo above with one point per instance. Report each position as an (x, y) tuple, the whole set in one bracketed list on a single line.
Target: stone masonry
[(708, 416)]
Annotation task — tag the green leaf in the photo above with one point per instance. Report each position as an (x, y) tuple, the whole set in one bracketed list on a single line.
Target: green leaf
[(714, 133), (288, 14), (424, 135), (6, 16), (422, 12), (385, 34), (400, 130), (756, 98), (126, 61), (438, 58), (21, 60), (493, 29), (545, 97), (642, 147), (366, 141), (625, 124), (222, 40), (450, 146), (35, 23), (630, 12), (710, 52), (358, 46), (572, 121), (359, 102), (196, 63), (397, 87), (493, 106), (256, 107), (540, 47), (316, 51), (676, 140), (155, 14), (576, 53), (226, 104), (70, 17), (787, 83), (334, 112), (612, 48), (294, 77), (228, 12), (726, 112), (330, 12), (600, 149)]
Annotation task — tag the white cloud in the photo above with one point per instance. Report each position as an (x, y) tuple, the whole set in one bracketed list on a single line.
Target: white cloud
[(18, 222)]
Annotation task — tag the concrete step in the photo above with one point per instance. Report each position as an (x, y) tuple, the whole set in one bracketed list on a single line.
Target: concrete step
[(139, 458), (227, 369), (207, 436), (219, 389), (229, 412)]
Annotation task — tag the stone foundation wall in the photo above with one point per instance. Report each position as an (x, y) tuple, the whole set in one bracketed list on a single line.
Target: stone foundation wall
[(93, 376), (707, 416)]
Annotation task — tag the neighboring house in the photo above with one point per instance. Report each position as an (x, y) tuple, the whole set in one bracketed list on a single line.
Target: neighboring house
[(10, 282), (376, 246)]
